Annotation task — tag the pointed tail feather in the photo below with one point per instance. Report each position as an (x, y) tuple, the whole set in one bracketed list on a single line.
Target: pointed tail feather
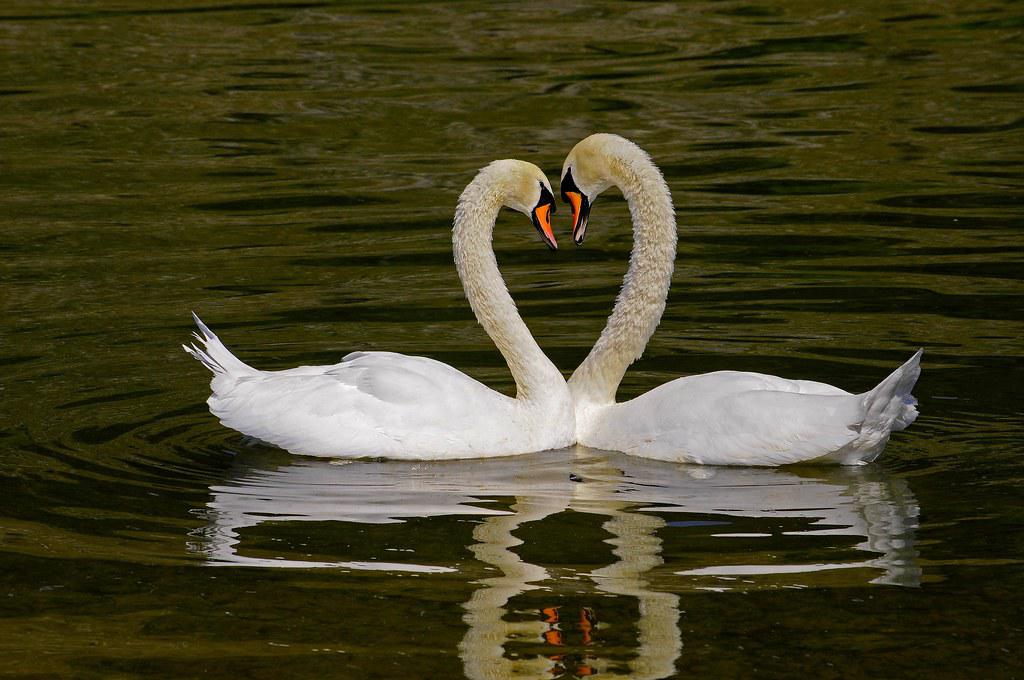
[(213, 354), (891, 406)]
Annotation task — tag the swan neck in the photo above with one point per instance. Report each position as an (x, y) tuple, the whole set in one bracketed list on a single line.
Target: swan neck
[(536, 377), (645, 287)]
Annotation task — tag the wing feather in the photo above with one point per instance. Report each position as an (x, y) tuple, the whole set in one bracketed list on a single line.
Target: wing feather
[(361, 406), (733, 418)]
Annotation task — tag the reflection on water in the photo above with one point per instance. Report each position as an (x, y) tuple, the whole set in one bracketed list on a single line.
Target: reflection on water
[(848, 186), (748, 514)]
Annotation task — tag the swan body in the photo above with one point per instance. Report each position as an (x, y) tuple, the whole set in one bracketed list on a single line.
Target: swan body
[(383, 404), (739, 418), (721, 418)]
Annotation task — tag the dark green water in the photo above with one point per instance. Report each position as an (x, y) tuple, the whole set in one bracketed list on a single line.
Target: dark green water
[(849, 183)]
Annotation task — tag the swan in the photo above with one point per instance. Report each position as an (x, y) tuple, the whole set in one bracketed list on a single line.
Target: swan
[(383, 404), (720, 418)]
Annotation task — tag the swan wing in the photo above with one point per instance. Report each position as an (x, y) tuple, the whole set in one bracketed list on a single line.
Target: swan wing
[(369, 404), (733, 418)]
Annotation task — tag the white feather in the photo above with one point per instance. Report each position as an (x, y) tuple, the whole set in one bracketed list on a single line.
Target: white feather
[(723, 418), (397, 406)]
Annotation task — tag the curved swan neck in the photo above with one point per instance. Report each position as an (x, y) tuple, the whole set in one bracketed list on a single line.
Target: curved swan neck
[(645, 287), (536, 377)]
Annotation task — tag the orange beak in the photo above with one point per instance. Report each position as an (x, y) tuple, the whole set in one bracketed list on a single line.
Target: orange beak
[(575, 201), (542, 221), (580, 205)]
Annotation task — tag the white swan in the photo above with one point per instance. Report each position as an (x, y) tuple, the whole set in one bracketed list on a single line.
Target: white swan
[(721, 418), (397, 406)]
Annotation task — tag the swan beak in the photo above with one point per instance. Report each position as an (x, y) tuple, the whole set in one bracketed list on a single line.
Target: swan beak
[(542, 220), (580, 215), (580, 204)]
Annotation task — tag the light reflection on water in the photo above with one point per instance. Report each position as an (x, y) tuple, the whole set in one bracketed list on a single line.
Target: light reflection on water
[(868, 504), (643, 502)]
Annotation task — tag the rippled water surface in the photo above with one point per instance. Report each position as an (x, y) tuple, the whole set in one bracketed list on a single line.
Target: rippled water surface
[(849, 187)]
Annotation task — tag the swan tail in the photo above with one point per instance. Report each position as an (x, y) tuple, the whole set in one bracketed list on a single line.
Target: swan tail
[(890, 407), (214, 354)]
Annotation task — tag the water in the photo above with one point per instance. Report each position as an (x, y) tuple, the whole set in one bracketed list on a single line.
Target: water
[(849, 188)]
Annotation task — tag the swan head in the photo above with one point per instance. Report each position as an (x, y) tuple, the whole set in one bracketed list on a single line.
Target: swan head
[(525, 188), (588, 170)]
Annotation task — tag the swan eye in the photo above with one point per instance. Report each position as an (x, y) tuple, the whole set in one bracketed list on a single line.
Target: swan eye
[(568, 186), (546, 198)]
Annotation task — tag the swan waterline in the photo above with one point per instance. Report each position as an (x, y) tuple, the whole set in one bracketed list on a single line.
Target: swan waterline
[(383, 404), (720, 418)]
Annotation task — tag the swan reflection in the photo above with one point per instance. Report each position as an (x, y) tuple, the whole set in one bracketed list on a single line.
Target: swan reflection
[(864, 503), (672, 529)]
